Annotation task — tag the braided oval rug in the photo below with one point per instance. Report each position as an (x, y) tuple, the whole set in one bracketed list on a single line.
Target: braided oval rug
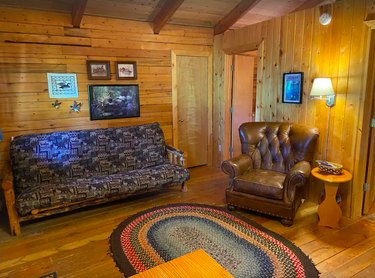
[(240, 245)]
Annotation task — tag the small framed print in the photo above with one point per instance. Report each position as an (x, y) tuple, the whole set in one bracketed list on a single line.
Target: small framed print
[(126, 70), (62, 85), (292, 87), (100, 70)]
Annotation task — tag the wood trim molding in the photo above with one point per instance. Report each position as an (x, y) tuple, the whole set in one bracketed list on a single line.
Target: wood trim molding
[(79, 7), (227, 21), (370, 23), (165, 13), (312, 4)]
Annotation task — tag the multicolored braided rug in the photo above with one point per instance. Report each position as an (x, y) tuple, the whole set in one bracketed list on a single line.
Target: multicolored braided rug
[(241, 246)]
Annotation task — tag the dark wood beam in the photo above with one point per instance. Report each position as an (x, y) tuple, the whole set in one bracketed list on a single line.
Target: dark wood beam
[(227, 21), (79, 7), (309, 4), (165, 13)]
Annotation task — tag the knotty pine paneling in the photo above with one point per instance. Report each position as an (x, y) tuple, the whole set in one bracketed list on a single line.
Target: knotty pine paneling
[(297, 42), (33, 43)]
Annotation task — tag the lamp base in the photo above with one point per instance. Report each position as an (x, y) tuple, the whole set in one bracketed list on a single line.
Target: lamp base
[(330, 101)]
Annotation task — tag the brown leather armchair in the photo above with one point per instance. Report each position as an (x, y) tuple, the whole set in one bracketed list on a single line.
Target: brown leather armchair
[(270, 174)]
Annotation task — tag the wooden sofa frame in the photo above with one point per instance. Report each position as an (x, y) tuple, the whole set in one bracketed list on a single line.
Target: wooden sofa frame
[(174, 155)]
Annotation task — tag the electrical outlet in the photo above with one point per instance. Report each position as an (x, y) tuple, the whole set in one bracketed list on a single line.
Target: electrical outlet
[(1, 135), (372, 122)]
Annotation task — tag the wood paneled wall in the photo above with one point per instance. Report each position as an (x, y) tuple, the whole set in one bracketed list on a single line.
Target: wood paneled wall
[(298, 42), (33, 43)]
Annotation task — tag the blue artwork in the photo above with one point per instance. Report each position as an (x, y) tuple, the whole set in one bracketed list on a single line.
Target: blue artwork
[(62, 85), (292, 87)]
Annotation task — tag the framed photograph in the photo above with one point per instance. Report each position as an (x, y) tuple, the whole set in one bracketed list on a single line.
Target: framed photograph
[(292, 87), (113, 101), (100, 70), (62, 85), (126, 70)]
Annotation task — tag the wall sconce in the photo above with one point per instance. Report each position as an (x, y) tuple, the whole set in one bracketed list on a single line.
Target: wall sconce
[(322, 89)]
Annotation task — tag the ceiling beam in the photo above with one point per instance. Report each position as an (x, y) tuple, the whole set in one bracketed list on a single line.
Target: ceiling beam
[(166, 12), (227, 21), (79, 7), (309, 4)]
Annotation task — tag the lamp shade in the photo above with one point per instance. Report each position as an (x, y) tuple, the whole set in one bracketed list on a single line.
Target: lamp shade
[(322, 87)]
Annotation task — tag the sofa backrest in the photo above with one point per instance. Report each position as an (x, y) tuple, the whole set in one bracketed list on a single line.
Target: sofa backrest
[(277, 146), (58, 156)]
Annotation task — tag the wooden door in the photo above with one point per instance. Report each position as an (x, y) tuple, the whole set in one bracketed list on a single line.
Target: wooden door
[(243, 97), (369, 205), (191, 96), (369, 196)]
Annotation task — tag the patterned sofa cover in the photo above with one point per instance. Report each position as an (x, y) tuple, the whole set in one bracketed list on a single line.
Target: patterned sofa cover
[(62, 169)]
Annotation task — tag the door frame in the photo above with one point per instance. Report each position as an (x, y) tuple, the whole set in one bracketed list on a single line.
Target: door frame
[(368, 132), (208, 54), (228, 86), (363, 139)]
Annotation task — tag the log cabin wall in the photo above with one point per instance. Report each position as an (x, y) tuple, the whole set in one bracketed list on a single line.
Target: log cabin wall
[(298, 42), (33, 43)]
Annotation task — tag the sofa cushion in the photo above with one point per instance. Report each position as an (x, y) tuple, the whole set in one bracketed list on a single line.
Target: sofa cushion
[(265, 183), (59, 156), (49, 195)]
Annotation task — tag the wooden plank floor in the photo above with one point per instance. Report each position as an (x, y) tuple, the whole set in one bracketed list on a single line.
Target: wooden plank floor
[(76, 244)]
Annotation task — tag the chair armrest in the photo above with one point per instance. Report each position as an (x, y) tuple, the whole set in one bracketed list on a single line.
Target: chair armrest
[(296, 177), (237, 166), (10, 202), (176, 156)]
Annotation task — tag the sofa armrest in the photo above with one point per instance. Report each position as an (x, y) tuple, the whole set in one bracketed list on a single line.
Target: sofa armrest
[(10, 202), (176, 156), (296, 177), (237, 166)]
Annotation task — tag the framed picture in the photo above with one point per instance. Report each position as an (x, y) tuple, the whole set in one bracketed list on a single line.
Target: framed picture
[(126, 70), (62, 85), (292, 87), (113, 101), (100, 70)]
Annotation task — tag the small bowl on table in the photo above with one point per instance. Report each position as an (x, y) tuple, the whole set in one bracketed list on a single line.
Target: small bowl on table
[(331, 168)]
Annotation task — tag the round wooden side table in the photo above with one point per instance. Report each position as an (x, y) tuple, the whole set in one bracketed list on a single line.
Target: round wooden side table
[(329, 211)]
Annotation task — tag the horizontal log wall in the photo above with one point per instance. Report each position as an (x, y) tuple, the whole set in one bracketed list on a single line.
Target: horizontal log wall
[(33, 43), (298, 42)]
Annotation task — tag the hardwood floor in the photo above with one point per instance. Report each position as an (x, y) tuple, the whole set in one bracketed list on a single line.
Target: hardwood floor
[(76, 244)]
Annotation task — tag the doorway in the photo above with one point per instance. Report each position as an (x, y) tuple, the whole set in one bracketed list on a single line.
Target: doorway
[(243, 95), (368, 206), (192, 105)]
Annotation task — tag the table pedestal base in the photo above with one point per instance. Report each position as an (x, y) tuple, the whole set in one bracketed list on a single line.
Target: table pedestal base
[(329, 211)]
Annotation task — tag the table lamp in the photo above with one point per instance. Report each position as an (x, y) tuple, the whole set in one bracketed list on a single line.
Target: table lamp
[(322, 89)]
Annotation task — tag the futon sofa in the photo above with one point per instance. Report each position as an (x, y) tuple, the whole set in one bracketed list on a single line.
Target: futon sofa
[(60, 171)]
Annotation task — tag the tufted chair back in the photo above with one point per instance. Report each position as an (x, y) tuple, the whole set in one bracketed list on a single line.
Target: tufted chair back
[(277, 146)]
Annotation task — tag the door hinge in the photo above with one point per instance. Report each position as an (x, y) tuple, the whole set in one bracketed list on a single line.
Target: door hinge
[(232, 109), (372, 124), (366, 187), (232, 67)]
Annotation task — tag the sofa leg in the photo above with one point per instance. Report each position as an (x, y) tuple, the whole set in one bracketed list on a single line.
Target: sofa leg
[(286, 222), (10, 202), (184, 187), (231, 207)]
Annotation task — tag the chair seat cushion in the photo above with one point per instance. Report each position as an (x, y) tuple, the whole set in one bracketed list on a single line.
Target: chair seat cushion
[(50, 195), (259, 182)]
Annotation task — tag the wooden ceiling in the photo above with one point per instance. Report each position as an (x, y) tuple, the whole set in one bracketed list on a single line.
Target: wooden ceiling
[(218, 14)]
